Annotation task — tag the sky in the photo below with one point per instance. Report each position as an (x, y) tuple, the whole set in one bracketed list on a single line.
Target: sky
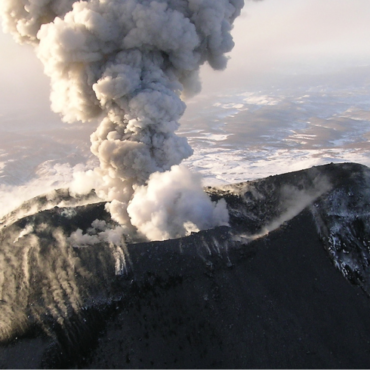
[(296, 36), (271, 37)]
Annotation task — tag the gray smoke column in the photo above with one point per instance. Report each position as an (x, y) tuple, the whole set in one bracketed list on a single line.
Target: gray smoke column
[(129, 63)]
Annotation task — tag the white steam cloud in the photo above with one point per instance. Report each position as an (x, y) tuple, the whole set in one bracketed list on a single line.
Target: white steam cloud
[(128, 62), (160, 208)]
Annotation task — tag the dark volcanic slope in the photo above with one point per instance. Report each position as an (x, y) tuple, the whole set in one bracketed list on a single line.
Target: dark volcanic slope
[(218, 298), (281, 304)]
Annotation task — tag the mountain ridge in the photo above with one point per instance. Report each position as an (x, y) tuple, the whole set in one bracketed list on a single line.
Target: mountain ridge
[(260, 293)]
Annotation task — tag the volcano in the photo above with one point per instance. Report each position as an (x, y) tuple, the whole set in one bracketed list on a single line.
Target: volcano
[(286, 284)]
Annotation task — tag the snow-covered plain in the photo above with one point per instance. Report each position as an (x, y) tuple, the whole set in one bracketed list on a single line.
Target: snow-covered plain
[(237, 135), (251, 133)]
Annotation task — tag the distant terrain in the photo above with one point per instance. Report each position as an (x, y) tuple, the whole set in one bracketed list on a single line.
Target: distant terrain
[(237, 135)]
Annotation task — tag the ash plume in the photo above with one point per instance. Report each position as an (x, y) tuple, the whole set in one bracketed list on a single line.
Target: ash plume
[(130, 63)]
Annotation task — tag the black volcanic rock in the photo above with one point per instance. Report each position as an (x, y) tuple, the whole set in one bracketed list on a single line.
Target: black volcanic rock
[(286, 285)]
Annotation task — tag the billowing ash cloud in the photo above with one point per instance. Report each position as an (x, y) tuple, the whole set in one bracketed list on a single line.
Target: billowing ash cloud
[(128, 62)]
